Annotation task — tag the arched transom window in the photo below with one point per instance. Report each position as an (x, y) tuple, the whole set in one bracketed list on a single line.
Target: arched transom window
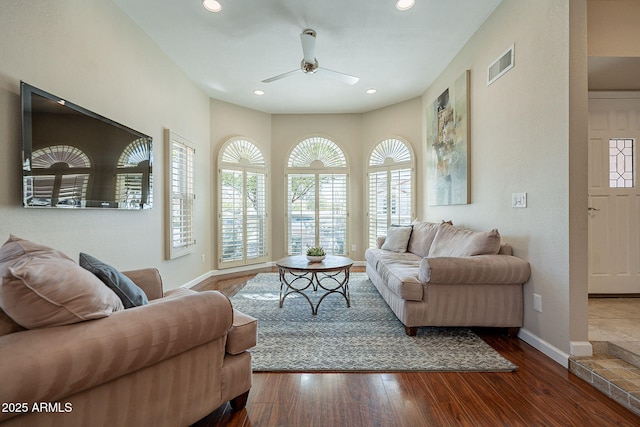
[(390, 187), (60, 176), (242, 186), (317, 202)]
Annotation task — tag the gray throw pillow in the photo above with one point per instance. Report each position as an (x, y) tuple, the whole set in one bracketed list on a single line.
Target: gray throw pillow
[(130, 294), (397, 239)]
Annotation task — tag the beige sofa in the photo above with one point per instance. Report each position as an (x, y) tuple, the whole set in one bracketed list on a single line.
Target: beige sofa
[(168, 363), (440, 275)]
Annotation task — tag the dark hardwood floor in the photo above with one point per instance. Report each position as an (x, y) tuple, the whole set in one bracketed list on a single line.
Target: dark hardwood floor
[(540, 393)]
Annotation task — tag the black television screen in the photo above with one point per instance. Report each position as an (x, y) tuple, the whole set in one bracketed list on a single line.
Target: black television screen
[(74, 158)]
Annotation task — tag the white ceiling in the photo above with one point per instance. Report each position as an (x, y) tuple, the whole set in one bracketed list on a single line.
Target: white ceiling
[(229, 53)]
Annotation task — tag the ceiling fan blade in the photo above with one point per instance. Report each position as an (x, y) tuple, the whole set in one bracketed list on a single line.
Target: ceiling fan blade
[(345, 78), (280, 76), (308, 39)]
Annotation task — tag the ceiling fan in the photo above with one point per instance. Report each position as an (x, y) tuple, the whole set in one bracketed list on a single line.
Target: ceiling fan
[(309, 63)]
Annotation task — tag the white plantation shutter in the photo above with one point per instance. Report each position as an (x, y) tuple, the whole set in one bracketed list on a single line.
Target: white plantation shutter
[(390, 187), (317, 207), (378, 201), (232, 212), (242, 189), (181, 237), (332, 213), (256, 215), (301, 217)]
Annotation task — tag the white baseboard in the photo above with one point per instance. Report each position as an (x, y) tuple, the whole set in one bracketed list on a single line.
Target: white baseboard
[(538, 343), (581, 348)]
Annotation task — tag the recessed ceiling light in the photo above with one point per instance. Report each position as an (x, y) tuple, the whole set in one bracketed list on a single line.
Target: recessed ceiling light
[(371, 91), (258, 92), (405, 4), (212, 5)]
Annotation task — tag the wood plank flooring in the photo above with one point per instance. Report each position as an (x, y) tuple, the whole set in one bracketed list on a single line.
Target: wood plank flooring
[(540, 393)]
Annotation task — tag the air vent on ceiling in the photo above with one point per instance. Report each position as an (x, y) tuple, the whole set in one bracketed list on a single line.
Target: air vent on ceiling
[(500, 66)]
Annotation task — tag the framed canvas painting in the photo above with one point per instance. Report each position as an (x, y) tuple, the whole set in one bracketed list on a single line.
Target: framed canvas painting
[(448, 145)]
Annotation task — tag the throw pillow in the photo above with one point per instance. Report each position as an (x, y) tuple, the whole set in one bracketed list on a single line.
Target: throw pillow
[(128, 292), (451, 241), (43, 287), (14, 249), (397, 238), (422, 237), (44, 292)]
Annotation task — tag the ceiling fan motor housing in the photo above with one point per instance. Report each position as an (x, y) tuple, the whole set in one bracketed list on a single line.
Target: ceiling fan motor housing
[(308, 67)]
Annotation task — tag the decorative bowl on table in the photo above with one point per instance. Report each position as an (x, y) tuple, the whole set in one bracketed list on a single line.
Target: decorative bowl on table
[(316, 254)]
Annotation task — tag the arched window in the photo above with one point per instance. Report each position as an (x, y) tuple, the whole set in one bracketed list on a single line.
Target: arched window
[(390, 187), (133, 190), (242, 189), (317, 202), (60, 176)]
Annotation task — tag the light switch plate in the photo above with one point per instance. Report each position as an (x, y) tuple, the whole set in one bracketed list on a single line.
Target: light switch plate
[(519, 200)]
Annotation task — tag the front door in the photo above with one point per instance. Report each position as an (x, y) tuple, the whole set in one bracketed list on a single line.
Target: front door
[(614, 196)]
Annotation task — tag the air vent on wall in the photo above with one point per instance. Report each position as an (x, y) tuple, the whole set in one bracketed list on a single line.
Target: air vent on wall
[(500, 66)]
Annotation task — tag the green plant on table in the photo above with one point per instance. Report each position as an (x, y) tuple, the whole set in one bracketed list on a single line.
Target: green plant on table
[(315, 251)]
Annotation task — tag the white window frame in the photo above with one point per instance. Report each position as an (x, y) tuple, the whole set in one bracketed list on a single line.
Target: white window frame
[(181, 196), (245, 158), (315, 166), (394, 160)]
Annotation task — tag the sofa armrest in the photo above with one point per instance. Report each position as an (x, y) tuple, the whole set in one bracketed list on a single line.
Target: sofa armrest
[(46, 365), (478, 269), (148, 279)]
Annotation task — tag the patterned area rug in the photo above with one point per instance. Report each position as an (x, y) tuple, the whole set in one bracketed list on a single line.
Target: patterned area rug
[(366, 337)]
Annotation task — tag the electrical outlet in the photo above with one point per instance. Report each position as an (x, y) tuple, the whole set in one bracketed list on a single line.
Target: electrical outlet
[(353, 248), (202, 258), (519, 200), (537, 303)]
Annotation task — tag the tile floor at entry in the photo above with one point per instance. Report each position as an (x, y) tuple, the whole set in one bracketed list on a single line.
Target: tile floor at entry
[(614, 368)]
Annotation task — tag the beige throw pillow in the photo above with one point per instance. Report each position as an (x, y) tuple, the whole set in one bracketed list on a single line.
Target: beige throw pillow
[(451, 241), (42, 287), (422, 237), (397, 239)]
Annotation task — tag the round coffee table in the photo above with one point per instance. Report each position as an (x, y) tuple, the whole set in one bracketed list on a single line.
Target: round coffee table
[(297, 275)]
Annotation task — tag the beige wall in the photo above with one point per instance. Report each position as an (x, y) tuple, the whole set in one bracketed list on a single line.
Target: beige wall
[(520, 137), (614, 27), (89, 52)]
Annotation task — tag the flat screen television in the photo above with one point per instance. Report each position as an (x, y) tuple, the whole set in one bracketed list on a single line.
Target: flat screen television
[(75, 159)]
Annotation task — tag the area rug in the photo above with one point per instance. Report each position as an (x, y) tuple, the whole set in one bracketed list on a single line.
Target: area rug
[(366, 337)]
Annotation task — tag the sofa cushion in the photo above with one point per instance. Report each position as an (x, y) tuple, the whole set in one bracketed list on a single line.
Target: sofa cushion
[(452, 241), (128, 292), (397, 238), (422, 236), (399, 271), (43, 287)]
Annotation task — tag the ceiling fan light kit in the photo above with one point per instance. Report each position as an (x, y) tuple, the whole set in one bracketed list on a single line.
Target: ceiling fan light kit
[(309, 63)]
